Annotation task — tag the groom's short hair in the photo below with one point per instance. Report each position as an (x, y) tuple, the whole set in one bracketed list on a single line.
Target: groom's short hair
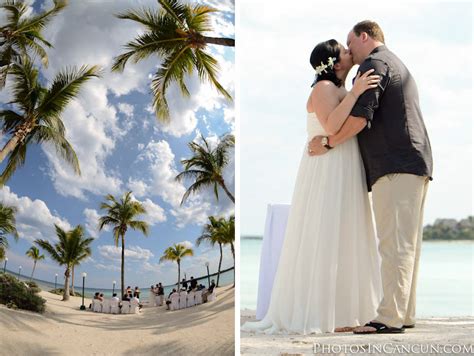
[(372, 28)]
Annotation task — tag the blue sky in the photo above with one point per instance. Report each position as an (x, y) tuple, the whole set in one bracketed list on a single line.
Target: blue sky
[(122, 147), (434, 39)]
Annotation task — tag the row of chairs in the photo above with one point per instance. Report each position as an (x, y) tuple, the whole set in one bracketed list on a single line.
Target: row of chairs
[(185, 300), (112, 306)]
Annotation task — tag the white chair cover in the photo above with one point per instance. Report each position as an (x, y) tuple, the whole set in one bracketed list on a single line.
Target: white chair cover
[(198, 297), (134, 306), (191, 302), (106, 306), (273, 236), (96, 305), (114, 306), (125, 307), (182, 299), (152, 299), (174, 302), (211, 297), (158, 300)]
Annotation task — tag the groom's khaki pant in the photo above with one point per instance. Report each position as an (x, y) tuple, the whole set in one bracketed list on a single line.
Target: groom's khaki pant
[(398, 201)]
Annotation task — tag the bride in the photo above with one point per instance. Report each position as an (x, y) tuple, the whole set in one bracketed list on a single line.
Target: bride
[(328, 274)]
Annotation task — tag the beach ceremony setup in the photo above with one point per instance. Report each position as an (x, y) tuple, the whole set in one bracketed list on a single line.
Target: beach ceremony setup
[(122, 115)]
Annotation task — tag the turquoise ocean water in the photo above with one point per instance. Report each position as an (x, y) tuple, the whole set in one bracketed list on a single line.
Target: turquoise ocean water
[(445, 280), (225, 279)]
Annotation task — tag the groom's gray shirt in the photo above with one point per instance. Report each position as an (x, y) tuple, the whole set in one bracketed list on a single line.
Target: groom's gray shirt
[(395, 138)]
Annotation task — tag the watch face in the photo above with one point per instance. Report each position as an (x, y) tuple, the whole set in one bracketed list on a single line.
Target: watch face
[(324, 141)]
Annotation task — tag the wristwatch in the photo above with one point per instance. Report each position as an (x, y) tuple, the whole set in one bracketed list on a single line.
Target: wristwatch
[(325, 142)]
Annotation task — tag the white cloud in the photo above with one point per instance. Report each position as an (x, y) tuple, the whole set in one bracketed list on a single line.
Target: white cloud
[(126, 109), (155, 214), (163, 171), (92, 222), (138, 187), (34, 220), (132, 253), (186, 244)]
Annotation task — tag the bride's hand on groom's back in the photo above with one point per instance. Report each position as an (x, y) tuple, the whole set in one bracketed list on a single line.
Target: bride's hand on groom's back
[(364, 82), (315, 148)]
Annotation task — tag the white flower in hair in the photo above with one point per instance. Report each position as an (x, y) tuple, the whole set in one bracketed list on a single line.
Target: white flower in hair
[(322, 68)]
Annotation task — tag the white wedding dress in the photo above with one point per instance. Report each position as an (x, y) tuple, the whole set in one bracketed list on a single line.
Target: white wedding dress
[(328, 274)]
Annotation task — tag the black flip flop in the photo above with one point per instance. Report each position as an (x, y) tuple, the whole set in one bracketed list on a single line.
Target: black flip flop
[(381, 329)]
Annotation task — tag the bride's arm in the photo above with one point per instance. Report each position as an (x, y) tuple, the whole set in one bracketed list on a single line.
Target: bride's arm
[(325, 101), (330, 112)]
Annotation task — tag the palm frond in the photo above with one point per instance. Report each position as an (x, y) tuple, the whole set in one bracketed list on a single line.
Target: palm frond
[(61, 144), (174, 68), (208, 69), (64, 88)]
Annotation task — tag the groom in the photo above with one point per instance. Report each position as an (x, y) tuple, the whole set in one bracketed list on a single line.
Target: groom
[(396, 152)]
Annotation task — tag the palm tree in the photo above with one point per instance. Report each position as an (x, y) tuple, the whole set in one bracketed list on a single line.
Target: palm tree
[(38, 115), (176, 34), (21, 35), (176, 253), (34, 254), (7, 227), (77, 261), (70, 247), (122, 215), (227, 232), (212, 236), (206, 166)]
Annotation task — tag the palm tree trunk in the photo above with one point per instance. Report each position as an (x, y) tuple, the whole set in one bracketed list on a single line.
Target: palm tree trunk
[(122, 277), (66, 284), (18, 136), (179, 276), (219, 269), (34, 266), (229, 42), (72, 281), (233, 255), (9, 147), (229, 194)]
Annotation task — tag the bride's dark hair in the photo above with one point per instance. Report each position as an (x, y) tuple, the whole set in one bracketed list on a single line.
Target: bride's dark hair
[(321, 53)]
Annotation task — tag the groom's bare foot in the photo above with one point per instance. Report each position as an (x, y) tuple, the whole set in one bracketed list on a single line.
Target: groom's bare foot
[(345, 329)]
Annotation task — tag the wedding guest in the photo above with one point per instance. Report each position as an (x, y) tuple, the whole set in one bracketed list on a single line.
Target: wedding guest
[(184, 284), (136, 293), (208, 291), (193, 283), (168, 300), (101, 297), (161, 293), (114, 297), (126, 297)]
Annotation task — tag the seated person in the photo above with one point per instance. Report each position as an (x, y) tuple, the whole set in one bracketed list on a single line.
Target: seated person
[(193, 283), (101, 297), (168, 300), (114, 297), (96, 295), (126, 297), (136, 293), (208, 291)]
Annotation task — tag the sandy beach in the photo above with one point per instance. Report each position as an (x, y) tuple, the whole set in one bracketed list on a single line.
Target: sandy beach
[(435, 331), (65, 330)]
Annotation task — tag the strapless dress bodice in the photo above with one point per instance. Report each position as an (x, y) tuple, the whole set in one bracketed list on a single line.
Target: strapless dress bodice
[(314, 127)]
